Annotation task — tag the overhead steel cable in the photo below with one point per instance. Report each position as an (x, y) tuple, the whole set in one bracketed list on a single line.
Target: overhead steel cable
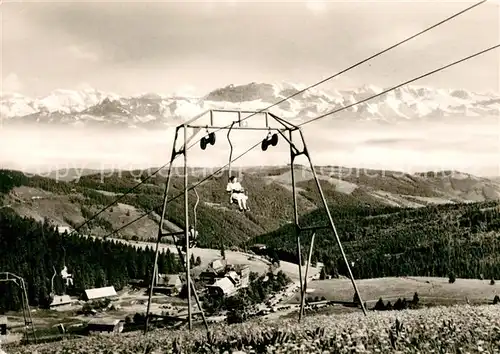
[(361, 62), (317, 118), (93, 217), (400, 85), (182, 193)]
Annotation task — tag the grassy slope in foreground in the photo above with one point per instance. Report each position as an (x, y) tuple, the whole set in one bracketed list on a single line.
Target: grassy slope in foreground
[(439, 329)]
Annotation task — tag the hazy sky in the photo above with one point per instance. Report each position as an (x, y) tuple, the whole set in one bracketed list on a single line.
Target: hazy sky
[(131, 48)]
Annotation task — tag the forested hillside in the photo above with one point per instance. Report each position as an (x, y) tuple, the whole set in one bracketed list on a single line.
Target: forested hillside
[(270, 198), (459, 239), (403, 234), (217, 219), (381, 216), (32, 251)]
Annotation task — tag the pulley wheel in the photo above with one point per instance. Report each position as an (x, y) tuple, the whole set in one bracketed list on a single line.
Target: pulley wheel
[(211, 138), (203, 143), (274, 140), (264, 145)]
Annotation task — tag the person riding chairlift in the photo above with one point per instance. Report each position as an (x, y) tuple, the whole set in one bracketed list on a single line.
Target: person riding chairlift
[(237, 193), (193, 236)]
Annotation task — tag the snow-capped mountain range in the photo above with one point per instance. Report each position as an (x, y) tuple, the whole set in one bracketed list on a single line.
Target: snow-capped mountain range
[(91, 107)]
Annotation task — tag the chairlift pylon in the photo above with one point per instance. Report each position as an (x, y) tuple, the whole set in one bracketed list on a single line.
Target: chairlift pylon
[(270, 140)]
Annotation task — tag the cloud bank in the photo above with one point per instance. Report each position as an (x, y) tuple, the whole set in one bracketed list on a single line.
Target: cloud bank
[(410, 147)]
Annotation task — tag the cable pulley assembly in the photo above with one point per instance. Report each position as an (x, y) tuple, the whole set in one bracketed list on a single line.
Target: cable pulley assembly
[(271, 139), (208, 139)]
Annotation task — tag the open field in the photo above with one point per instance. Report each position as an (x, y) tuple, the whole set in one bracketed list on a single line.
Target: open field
[(256, 263), (458, 329), (429, 289)]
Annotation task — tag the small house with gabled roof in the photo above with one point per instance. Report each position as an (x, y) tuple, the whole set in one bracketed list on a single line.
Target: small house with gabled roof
[(107, 292)]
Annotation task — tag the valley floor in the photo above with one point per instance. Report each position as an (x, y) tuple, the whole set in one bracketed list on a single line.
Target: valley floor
[(458, 329)]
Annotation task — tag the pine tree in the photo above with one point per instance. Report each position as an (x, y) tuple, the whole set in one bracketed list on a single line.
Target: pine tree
[(416, 299), (222, 251), (355, 299), (379, 306), (322, 274)]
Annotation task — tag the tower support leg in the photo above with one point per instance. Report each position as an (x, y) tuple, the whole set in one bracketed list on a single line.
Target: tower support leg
[(302, 302), (332, 224), (185, 263), (296, 213), (186, 231)]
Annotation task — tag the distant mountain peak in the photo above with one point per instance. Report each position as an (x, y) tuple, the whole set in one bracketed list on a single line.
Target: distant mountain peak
[(93, 107)]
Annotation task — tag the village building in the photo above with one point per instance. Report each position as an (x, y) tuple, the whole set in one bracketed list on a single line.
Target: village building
[(234, 277), (60, 301), (169, 284), (209, 275), (107, 292), (244, 276), (215, 270), (219, 265), (63, 229), (258, 247), (136, 282), (100, 325), (223, 287)]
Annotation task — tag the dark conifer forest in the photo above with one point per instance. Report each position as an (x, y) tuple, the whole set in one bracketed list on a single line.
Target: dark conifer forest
[(31, 250), (462, 240)]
